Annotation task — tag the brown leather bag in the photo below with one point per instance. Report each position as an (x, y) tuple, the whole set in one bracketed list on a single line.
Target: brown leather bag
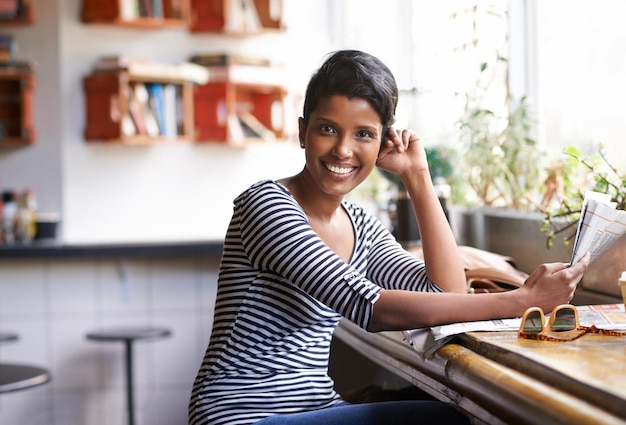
[(486, 271)]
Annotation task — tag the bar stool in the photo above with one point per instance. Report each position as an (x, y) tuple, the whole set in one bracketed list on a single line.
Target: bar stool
[(128, 336), (8, 337), (15, 377)]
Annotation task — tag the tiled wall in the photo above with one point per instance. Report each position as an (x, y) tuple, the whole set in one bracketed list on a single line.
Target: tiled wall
[(52, 304)]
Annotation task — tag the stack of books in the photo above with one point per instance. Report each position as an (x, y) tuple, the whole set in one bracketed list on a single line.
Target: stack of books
[(240, 69), (143, 68), (7, 48), (8, 59)]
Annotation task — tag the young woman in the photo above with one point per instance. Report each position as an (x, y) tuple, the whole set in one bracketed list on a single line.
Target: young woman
[(298, 257)]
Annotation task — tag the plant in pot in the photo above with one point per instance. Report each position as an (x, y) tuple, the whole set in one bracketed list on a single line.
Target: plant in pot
[(403, 220), (577, 174), (498, 179), (573, 176), (501, 164)]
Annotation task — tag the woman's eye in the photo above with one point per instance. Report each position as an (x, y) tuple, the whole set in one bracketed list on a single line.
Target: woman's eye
[(364, 135), (327, 129)]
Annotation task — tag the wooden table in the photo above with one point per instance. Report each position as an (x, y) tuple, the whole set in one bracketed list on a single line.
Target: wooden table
[(497, 379), (15, 377)]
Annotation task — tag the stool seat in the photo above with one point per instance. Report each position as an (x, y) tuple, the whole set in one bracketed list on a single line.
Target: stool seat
[(15, 377), (6, 337), (129, 335)]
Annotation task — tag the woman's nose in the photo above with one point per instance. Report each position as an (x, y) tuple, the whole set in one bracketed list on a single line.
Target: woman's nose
[(343, 147)]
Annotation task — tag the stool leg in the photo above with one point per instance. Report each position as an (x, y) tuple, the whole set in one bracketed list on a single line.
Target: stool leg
[(129, 382)]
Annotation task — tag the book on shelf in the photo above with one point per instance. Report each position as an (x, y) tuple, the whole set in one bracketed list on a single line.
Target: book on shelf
[(122, 113), (600, 225), (170, 106), (115, 62), (254, 128), (156, 103), (129, 9), (17, 66), (136, 113), (134, 9), (182, 72), (7, 48), (150, 119), (246, 74), (153, 110), (251, 20), (243, 16), (157, 9), (225, 59), (235, 130), (128, 126), (144, 68), (146, 9)]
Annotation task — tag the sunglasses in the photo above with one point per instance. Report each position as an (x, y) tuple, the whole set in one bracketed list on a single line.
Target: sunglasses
[(562, 325)]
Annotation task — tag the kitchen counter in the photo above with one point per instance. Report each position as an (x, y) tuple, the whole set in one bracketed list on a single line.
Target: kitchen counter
[(55, 249)]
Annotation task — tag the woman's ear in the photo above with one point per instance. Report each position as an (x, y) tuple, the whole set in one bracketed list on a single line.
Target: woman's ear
[(301, 131)]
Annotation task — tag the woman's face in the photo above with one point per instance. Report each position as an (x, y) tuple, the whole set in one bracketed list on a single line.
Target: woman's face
[(341, 141)]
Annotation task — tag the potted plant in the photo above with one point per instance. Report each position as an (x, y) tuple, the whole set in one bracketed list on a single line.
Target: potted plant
[(578, 173), (402, 217), (499, 177)]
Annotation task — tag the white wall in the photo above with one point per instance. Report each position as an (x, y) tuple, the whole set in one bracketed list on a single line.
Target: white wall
[(149, 193)]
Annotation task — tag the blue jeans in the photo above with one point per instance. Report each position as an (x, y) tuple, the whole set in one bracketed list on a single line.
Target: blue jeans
[(422, 412)]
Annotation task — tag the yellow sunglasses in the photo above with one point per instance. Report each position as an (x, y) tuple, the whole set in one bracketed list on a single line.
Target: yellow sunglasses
[(562, 325)]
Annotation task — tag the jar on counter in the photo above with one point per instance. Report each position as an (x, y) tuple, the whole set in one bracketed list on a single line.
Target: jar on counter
[(9, 217), (26, 220)]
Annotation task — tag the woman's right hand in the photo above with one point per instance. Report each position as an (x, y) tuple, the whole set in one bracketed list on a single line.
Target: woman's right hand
[(552, 284)]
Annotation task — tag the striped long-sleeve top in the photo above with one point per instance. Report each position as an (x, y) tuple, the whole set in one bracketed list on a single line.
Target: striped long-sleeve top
[(281, 293)]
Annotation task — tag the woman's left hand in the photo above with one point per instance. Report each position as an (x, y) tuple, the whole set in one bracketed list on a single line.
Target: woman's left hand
[(402, 153)]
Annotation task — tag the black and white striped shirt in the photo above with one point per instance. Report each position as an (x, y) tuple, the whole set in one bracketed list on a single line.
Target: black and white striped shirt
[(281, 293)]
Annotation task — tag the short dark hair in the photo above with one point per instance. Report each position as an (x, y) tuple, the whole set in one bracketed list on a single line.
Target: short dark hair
[(353, 73)]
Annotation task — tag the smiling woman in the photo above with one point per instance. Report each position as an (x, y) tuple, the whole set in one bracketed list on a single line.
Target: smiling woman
[(298, 257)]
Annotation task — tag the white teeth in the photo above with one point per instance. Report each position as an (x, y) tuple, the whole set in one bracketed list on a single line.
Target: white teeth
[(338, 170)]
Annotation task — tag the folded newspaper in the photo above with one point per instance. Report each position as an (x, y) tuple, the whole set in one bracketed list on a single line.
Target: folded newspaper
[(605, 316), (599, 226)]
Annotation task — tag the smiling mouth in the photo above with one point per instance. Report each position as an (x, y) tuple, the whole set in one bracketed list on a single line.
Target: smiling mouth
[(339, 170)]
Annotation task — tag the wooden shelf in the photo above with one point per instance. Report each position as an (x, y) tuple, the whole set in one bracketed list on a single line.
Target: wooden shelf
[(25, 15), (237, 17), (237, 113), (16, 94), (231, 17), (121, 108), (133, 14)]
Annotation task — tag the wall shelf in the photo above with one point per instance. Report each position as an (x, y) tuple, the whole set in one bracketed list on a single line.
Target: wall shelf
[(237, 17), (142, 14), (16, 98), (235, 110), (24, 15), (127, 109)]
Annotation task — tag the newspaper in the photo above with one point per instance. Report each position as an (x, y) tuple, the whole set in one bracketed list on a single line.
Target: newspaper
[(605, 316), (599, 226)]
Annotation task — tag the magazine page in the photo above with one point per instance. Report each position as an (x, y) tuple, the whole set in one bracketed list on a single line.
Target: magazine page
[(589, 223), (605, 316)]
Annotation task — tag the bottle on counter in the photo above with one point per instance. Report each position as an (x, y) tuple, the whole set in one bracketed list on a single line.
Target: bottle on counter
[(9, 217), (1, 221), (26, 221)]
